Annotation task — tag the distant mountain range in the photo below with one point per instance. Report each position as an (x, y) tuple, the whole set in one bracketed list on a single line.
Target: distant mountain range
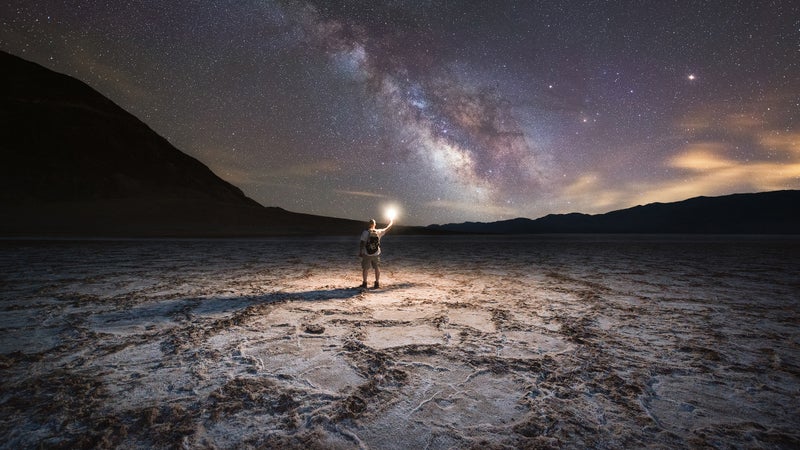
[(73, 163), (775, 212)]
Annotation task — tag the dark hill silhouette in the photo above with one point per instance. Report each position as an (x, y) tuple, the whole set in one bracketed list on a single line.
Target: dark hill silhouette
[(74, 163), (65, 142), (776, 212)]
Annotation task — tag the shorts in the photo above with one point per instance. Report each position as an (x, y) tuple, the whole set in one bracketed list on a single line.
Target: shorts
[(368, 260)]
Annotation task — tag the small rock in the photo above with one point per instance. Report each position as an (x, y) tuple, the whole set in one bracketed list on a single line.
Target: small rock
[(314, 329)]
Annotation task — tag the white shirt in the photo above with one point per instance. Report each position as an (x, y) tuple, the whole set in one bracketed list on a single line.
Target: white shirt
[(365, 236)]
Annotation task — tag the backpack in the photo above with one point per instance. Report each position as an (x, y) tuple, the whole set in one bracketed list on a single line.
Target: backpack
[(373, 243)]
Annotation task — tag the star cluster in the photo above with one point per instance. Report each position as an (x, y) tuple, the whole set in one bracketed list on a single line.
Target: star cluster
[(454, 110)]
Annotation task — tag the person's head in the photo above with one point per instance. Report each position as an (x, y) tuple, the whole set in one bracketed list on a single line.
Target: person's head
[(371, 224)]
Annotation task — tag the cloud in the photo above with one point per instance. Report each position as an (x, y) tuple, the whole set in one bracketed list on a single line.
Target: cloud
[(361, 193), (728, 151), (784, 142), (702, 157), (710, 170), (700, 169), (741, 152), (713, 117), (232, 171), (591, 193), (743, 122)]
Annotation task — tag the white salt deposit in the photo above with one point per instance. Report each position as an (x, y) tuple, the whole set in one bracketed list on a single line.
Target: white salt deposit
[(510, 342)]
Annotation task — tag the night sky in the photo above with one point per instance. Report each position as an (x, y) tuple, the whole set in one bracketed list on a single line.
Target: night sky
[(452, 110)]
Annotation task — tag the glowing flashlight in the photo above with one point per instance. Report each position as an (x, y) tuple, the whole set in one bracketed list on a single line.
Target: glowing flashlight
[(391, 213)]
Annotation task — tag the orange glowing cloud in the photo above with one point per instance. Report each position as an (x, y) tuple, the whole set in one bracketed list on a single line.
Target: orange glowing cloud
[(784, 142), (703, 168), (702, 157), (711, 172)]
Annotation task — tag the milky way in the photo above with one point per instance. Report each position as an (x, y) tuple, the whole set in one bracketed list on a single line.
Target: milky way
[(452, 110)]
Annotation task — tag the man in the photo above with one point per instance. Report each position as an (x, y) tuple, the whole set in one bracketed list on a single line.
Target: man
[(370, 251)]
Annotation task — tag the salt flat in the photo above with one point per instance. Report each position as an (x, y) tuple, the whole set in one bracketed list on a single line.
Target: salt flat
[(501, 342)]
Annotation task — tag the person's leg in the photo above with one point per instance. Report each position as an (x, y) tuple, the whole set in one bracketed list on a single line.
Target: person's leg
[(364, 271), (377, 265)]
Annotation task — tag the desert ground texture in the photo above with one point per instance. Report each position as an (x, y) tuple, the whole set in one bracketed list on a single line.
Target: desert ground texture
[(471, 342)]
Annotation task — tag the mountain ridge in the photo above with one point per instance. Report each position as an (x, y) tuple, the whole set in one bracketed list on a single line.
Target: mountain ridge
[(772, 212)]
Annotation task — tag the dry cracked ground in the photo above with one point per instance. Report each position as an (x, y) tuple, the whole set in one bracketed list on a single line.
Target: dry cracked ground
[(470, 343)]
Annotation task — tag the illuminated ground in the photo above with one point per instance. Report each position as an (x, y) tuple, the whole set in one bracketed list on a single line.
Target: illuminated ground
[(577, 342)]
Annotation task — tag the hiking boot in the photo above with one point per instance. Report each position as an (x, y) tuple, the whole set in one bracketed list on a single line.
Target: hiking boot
[(363, 285), (376, 285)]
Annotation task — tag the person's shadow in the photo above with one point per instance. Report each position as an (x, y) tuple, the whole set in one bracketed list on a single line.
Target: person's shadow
[(167, 310), (338, 293), (317, 294)]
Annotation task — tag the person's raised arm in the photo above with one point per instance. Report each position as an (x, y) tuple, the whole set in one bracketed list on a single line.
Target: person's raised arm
[(391, 222)]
